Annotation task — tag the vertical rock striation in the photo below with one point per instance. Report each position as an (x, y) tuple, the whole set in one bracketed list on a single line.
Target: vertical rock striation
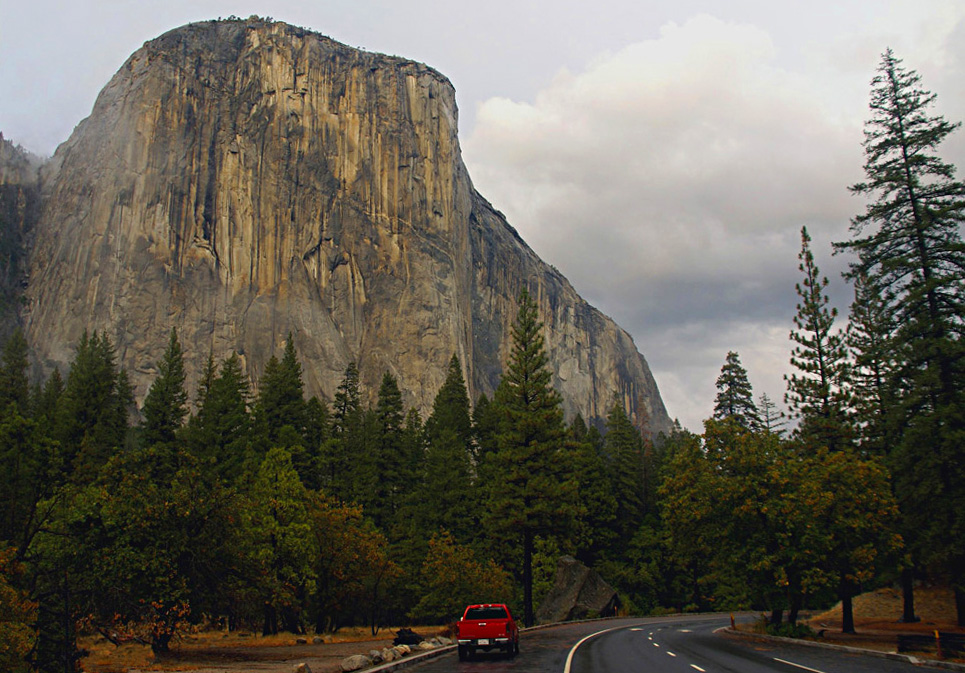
[(239, 180)]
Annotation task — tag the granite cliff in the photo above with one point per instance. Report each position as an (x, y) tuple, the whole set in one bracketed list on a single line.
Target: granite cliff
[(239, 180)]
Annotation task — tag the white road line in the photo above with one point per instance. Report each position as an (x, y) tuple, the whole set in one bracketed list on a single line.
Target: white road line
[(656, 644), (671, 653), (791, 663), (569, 657), (636, 629), (695, 666)]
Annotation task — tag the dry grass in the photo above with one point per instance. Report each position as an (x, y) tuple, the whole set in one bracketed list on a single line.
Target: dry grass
[(881, 610), (210, 646)]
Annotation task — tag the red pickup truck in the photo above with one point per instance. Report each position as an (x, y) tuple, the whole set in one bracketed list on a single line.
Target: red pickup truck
[(487, 627)]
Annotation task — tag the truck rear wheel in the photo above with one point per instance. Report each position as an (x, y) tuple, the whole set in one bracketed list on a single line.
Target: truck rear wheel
[(463, 653)]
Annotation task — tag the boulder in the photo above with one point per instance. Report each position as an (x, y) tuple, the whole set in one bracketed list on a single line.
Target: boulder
[(355, 662), (578, 592)]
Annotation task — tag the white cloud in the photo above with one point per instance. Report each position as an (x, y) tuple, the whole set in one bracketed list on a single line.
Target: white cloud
[(669, 181)]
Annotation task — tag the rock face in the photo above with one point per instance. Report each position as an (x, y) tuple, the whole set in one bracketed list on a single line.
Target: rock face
[(577, 592), (240, 180), (19, 199)]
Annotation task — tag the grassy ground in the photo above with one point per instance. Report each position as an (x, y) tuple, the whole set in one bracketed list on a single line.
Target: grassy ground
[(239, 650)]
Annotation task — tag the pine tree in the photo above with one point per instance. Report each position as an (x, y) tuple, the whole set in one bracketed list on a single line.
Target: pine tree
[(92, 413), (623, 447), (165, 405), (910, 255), (351, 466), (281, 399), (219, 432), (13, 373), (449, 500), (391, 464), (818, 393), (772, 420), (872, 375), (532, 492), (594, 531), (735, 398), (450, 408), (908, 240)]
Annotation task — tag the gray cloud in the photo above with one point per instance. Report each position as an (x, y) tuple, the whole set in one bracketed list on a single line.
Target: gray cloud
[(669, 181)]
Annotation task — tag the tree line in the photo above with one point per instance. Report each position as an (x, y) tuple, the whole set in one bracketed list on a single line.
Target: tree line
[(269, 511), (872, 479), (275, 512)]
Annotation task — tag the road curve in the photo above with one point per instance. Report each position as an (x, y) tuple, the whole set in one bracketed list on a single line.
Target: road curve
[(683, 644)]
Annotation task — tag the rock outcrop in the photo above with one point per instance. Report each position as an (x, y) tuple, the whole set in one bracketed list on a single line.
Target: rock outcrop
[(578, 592), (240, 180)]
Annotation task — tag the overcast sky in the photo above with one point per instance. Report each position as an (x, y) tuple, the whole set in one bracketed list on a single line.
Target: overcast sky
[(663, 155)]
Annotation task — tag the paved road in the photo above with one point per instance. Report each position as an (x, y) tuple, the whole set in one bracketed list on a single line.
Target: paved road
[(659, 644)]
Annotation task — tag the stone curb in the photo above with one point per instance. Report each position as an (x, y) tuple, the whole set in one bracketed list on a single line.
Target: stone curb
[(410, 660), (894, 656)]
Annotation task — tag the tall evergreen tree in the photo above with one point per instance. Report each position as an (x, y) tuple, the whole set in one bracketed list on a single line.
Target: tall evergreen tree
[(391, 463), (908, 240), (219, 432), (351, 466), (92, 413), (318, 441), (532, 492), (450, 408), (165, 405), (735, 397), (818, 393), (872, 374), (623, 446), (594, 529), (13, 373), (281, 399), (910, 254)]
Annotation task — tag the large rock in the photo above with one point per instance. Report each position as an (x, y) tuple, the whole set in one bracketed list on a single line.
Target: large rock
[(578, 592), (355, 662), (240, 180)]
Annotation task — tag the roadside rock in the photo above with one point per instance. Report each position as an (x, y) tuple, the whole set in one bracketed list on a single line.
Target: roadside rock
[(577, 592), (355, 662)]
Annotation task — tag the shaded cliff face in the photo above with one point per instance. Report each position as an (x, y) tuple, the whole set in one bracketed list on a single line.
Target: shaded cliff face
[(240, 180), (19, 202)]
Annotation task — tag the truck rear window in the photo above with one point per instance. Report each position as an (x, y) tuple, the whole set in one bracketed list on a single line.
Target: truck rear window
[(486, 613)]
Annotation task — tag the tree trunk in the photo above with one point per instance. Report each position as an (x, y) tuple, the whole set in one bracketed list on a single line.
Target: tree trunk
[(908, 615), (270, 626), (960, 604), (795, 600), (528, 617), (846, 592), (777, 616)]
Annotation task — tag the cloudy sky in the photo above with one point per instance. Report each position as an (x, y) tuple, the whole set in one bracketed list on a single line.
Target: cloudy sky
[(662, 154)]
